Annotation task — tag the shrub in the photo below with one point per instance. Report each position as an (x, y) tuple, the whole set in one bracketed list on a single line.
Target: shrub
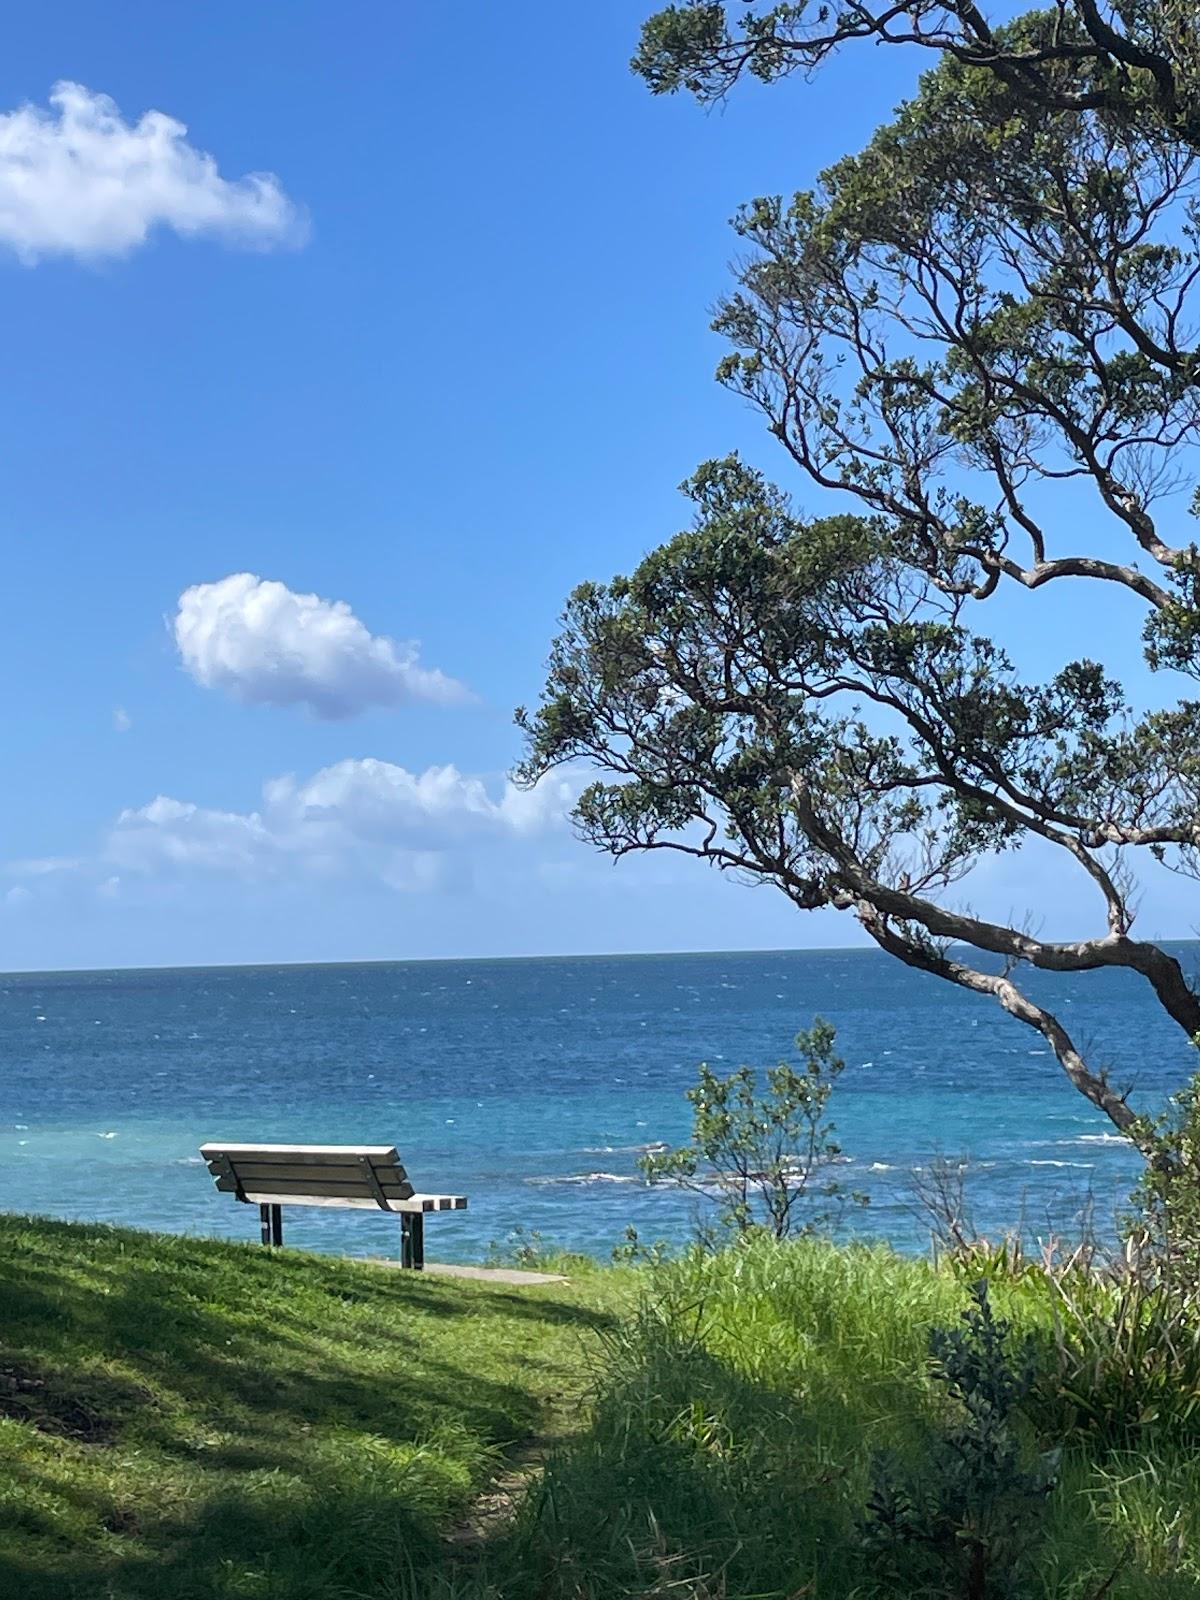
[(1127, 1356), (763, 1158), (967, 1524), (1165, 1228)]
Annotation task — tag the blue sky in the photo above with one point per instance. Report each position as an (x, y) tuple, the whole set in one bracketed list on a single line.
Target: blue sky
[(450, 360)]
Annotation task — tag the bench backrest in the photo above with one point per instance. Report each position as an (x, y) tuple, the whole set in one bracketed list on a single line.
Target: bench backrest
[(370, 1176)]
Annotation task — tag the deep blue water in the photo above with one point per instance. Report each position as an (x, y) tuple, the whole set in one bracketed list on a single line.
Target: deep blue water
[(530, 1085)]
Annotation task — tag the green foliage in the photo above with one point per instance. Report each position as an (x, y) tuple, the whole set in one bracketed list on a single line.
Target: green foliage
[(971, 338), (740, 1411), (969, 1523), (631, 1250), (762, 1159), (1137, 62), (259, 1425), (1166, 1225), (1126, 1358)]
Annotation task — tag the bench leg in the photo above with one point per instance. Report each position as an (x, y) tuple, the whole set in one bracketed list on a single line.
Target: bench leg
[(412, 1240), (271, 1218)]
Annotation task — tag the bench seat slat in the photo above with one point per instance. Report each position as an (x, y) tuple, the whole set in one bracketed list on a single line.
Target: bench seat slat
[(362, 1203), (415, 1204)]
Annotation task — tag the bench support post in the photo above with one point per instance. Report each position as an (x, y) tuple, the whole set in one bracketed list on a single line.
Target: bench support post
[(272, 1225), (412, 1240)]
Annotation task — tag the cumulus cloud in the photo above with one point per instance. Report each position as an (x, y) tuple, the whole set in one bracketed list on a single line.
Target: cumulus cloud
[(266, 645), (122, 721), (364, 819), (79, 180)]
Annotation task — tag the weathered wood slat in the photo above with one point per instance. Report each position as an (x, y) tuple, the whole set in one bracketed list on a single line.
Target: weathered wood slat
[(350, 1202), (430, 1202), (355, 1189), (251, 1171), (384, 1154), (418, 1203)]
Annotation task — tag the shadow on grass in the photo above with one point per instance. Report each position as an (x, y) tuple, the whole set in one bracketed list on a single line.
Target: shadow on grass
[(280, 1425)]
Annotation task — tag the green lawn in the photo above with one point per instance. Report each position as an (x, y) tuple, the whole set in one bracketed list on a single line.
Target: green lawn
[(190, 1418), (205, 1421)]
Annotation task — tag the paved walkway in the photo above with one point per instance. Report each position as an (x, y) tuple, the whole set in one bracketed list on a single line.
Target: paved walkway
[(513, 1275)]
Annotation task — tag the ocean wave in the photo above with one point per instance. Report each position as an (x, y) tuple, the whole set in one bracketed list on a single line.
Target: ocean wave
[(1096, 1138), (587, 1177), (625, 1149), (1087, 1165)]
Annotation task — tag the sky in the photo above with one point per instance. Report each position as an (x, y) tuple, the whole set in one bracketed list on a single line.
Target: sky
[(341, 343)]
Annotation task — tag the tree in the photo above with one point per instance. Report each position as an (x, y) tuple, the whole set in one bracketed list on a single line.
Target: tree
[(977, 335), (1134, 59), (762, 1159)]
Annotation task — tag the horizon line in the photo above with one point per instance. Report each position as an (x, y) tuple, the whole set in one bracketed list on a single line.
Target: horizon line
[(404, 961)]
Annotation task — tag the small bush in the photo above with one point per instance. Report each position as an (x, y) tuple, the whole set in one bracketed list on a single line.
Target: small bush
[(968, 1523), (763, 1159), (1165, 1228)]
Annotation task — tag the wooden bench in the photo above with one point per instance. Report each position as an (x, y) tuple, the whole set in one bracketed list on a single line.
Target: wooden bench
[(369, 1177)]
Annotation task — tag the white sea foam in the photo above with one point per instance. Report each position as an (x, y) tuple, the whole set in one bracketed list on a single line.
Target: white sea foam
[(1084, 1164), (587, 1177), (624, 1149), (1096, 1138)]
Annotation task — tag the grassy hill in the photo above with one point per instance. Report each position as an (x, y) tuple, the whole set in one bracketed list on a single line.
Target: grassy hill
[(190, 1418), (208, 1421)]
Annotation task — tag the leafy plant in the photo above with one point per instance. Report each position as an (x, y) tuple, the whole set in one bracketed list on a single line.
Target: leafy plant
[(1165, 1229), (632, 1251), (970, 1519), (762, 1157), (1127, 1357), (523, 1247)]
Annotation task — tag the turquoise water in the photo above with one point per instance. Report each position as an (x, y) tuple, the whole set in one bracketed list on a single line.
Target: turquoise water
[(532, 1085)]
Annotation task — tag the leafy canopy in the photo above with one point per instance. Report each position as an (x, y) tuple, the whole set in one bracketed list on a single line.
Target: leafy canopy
[(974, 340)]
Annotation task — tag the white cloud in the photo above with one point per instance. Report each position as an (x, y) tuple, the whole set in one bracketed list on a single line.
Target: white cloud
[(41, 866), (17, 897), (265, 645), (78, 180), (365, 819), (122, 721), (172, 833)]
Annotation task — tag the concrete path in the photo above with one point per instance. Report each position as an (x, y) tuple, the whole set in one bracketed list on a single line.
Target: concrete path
[(513, 1275)]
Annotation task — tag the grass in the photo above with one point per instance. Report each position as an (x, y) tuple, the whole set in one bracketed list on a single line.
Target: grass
[(730, 1447), (204, 1420), (197, 1419)]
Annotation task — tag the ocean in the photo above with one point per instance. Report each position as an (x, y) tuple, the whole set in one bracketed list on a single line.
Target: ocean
[(532, 1085)]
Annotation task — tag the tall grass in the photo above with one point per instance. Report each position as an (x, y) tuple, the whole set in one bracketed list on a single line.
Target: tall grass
[(737, 1416)]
